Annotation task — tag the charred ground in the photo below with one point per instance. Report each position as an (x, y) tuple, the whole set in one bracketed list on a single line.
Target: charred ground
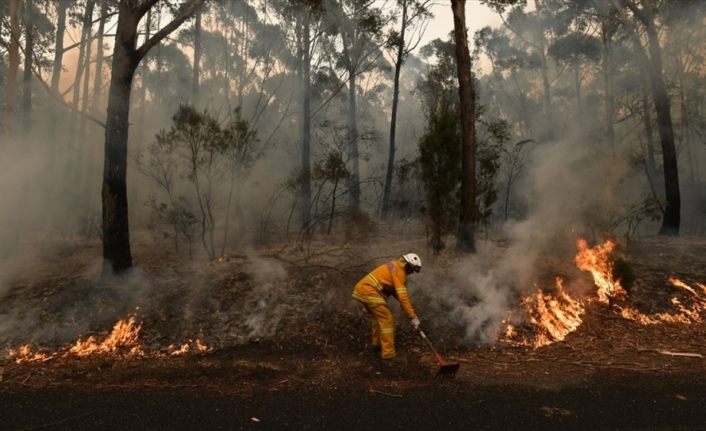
[(291, 349)]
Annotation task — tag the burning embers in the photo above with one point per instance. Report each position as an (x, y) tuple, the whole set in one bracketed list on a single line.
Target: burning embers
[(123, 341), (553, 316)]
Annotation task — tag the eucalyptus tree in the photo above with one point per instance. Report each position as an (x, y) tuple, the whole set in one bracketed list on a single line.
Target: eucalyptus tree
[(126, 57), (643, 18), (466, 227), (413, 14), (358, 27)]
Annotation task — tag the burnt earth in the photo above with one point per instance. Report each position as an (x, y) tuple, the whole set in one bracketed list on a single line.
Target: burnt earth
[(313, 369)]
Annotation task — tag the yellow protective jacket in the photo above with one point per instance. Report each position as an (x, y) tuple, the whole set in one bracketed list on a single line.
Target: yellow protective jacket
[(386, 280)]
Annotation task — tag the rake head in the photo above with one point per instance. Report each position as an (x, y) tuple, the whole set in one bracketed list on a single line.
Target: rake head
[(447, 371)]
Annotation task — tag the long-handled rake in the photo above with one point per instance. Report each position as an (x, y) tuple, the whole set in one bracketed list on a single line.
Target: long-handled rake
[(446, 369)]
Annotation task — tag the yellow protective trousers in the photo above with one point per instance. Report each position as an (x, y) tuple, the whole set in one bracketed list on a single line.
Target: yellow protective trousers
[(383, 327)]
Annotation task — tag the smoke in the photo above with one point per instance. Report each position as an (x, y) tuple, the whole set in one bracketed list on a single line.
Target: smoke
[(566, 187), (270, 282)]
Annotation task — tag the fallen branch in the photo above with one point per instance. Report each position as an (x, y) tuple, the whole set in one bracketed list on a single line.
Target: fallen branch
[(688, 355), (387, 394), (61, 422)]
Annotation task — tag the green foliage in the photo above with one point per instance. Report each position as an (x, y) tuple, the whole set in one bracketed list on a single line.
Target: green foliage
[(440, 159), (575, 48), (202, 152), (489, 150)]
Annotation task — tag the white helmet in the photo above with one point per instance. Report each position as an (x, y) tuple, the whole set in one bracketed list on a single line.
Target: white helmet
[(414, 260)]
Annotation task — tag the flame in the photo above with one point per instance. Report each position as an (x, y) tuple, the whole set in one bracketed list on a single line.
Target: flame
[(124, 337), (685, 314), (24, 353), (597, 261), (553, 316), (123, 341), (196, 346)]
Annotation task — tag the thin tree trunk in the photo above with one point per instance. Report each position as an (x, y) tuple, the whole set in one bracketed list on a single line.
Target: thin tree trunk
[(577, 84), (546, 86), (608, 80), (98, 83), (59, 44), (354, 188), (142, 94), (466, 228), (306, 122), (333, 207), (649, 132), (672, 213), (393, 118), (197, 59), (686, 129), (27, 75), (86, 87), (85, 40), (13, 66)]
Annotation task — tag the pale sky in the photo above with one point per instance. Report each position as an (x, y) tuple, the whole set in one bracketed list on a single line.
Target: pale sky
[(477, 17)]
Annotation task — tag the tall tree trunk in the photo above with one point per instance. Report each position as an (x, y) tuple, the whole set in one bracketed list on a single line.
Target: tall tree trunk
[(660, 97), (686, 128), (354, 184), (98, 83), (27, 75), (62, 5), (86, 87), (116, 233), (142, 94), (649, 132), (672, 213), (197, 59), (393, 117), (546, 86), (13, 65), (607, 30), (84, 42), (466, 227), (577, 84), (306, 120)]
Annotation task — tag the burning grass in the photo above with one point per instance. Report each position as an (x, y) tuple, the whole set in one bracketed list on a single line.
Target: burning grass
[(122, 342), (552, 316)]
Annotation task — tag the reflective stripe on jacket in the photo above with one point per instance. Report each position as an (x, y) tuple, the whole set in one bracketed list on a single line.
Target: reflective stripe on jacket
[(386, 280)]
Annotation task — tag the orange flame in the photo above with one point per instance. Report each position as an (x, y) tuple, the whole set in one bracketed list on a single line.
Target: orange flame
[(195, 346), (552, 316), (123, 340), (597, 261), (124, 337)]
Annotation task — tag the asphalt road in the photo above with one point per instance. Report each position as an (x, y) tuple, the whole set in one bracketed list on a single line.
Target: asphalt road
[(629, 403)]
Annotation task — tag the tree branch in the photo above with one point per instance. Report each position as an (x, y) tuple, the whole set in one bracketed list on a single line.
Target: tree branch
[(187, 10)]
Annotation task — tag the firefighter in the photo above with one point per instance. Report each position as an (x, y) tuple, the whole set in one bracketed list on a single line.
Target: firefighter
[(388, 279)]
